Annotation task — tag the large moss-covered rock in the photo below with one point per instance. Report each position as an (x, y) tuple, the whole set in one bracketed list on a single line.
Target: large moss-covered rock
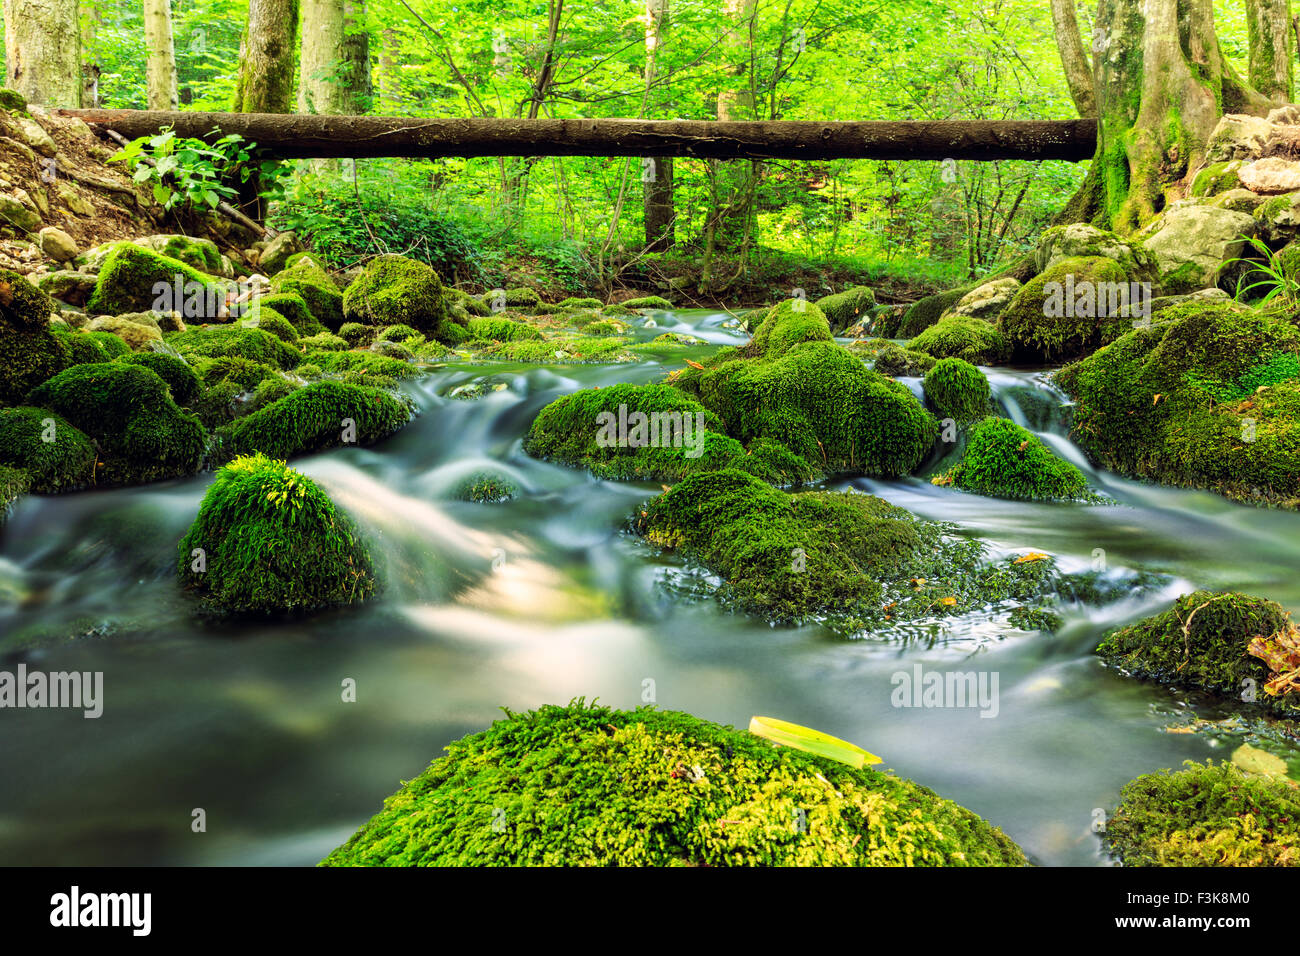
[(986, 301), (307, 278), (1208, 396), (1003, 460), (957, 390), (843, 309), (1202, 642), (1193, 243), (1073, 308), (202, 254), (29, 352), (134, 279), (268, 540), (1206, 815), (291, 306), (254, 344), (963, 337), (794, 385), (1079, 240), (922, 314), (590, 786), (394, 290), (181, 379), (55, 456), (651, 433), (128, 410), (321, 415)]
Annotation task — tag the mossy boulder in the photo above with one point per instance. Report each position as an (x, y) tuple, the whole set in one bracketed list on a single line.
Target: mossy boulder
[(648, 302), (486, 488), (889, 359), (135, 279), (1202, 642), (957, 390), (1073, 308), (320, 415), (590, 786), (269, 320), (1208, 396), (306, 278), (29, 352), (922, 314), (1193, 243), (181, 379), (843, 309), (794, 385), (268, 541), (324, 342), (1217, 178), (291, 306), (501, 330), (202, 254), (394, 290), (55, 456), (516, 298), (650, 433), (355, 335), (362, 364), (986, 301), (1078, 240), (254, 344), (138, 334), (129, 412), (963, 337), (1004, 460), (86, 348), (1206, 815)]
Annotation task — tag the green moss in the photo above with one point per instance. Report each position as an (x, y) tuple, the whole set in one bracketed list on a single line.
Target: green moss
[(55, 456), (128, 277), (268, 320), (583, 430), (894, 361), (236, 341), (486, 488), (590, 786), (794, 385), (502, 330), (1201, 642), (1006, 461), (29, 352), (314, 417), (957, 390), (1042, 325), (1205, 815), (396, 333), (362, 363), (83, 348), (648, 302), (517, 298), (293, 307), (1151, 404), (845, 308), (324, 342), (394, 290), (564, 350), (1216, 178), (356, 335), (272, 542), (12, 101), (964, 337), (924, 313), (578, 303), (181, 379), (307, 279), (200, 253), (14, 483), (128, 410)]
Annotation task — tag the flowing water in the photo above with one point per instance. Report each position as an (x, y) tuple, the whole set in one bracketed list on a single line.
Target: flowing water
[(545, 598)]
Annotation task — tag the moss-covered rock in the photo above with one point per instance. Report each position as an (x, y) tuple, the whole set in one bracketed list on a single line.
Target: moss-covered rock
[(355, 335), (516, 298), (321, 415), (139, 331), (1078, 240), (648, 302), (1202, 642), (269, 320), (986, 301), (29, 352), (256, 345), (324, 342), (842, 309), (922, 314), (396, 333), (181, 379), (590, 786), (1206, 815), (364, 364), (14, 483), (502, 330), (202, 254), (650, 433), (964, 337), (1208, 396), (889, 359), (268, 540), (85, 348), (307, 278), (129, 412), (957, 390), (562, 350), (574, 302), (1217, 178), (134, 279), (1006, 461), (1072, 309), (394, 290), (55, 456), (291, 306), (486, 488), (794, 385)]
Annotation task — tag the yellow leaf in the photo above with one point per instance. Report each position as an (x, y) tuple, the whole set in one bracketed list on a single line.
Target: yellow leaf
[(1032, 556), (811, 741)]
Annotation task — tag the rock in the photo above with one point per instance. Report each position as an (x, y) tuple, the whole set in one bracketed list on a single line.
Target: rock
[(1004, 460), (1288, 115), (34, 135), (956, 389), (73, 288), (396, 290), (842, 309), (306, 277), (29, 353), (137, 334), (167, 321), (1203, 295), (202, 254), (277, 251), (57, 244), (1217, 178), (12, 101), (1270, 176), (392, 350), (1080, 239), (972, 340), (73, 199), (35, 201), (1238, 136), (15, 213), (130, 273), (988, 300), (1072, 309), (1238, 200), (1193, 243)]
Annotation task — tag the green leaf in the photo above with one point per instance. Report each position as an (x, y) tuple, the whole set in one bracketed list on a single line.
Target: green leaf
[(811, 741)]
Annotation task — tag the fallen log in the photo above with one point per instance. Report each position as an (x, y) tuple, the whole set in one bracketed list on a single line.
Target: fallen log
[(314, 136)]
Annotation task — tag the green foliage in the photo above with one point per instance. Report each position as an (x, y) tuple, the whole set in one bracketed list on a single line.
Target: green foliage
[(1006, 461), (272, 542), (55, 456), (590, 786), (191, 173), (956, 390)]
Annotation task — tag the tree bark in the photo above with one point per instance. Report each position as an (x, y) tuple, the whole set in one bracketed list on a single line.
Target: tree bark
[(319, 87), (358, 91), (161, 70), (1078, 72), (300, 136), (91, 19), (1270, 69), (657, 174), (43, 51), (266, 60)]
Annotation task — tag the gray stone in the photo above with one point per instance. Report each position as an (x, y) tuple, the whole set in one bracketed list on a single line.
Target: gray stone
[(15, 213), (1081, 239), (57, 244), (276, 251), (1192, 243), (73, 288), (1238, 136), (988, 300)]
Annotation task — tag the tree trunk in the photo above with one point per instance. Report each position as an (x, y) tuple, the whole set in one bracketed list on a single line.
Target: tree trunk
[(319, 88), (657, 172), (390, 84), (1078, 72), (266, 59), (299, 136), (43, 51), (358, 92), (162, 93), (91, 20), (1268, 25)]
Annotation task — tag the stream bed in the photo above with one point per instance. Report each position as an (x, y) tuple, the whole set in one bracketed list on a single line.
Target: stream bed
[(545, 598)]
